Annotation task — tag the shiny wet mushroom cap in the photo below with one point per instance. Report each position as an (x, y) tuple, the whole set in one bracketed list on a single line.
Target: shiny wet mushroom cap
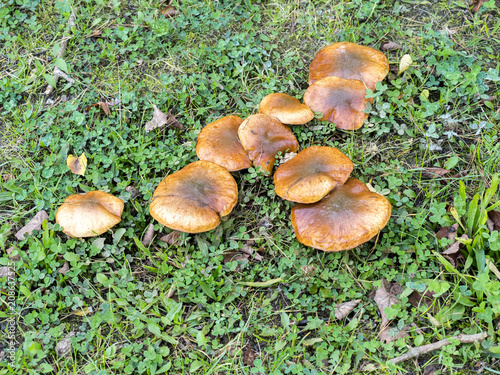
[(347, 217), (218, 142), (349, 61), (263, 136), (286, 108), (342, 101), (194, 198), (89, 214), (312, 174)]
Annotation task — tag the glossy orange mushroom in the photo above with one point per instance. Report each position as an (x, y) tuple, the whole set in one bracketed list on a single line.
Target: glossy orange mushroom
[(286, 108)]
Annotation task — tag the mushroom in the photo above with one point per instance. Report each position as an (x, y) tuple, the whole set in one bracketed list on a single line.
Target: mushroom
[(218, 142), (194, 198), (286, 108), (342, 101), (263, 136), (312, 174), (349, 61), (349, 216), (89, 214)]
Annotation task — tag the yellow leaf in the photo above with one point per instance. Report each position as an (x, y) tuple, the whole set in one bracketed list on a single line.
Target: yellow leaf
[(405, 63), (77, 164), (85, 311)]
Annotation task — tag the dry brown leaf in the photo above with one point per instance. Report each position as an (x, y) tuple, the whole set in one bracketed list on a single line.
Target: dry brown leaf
[(308, 270), (172, 238), (7, 177), (343, 309), (77, 165), (448, 232), (247, 249), (452, 253), (385, 299), (494, 216), (159, 119), (389, 334), (133, 190), (248, 355), (476, 4), (103, 105), (168, 11), (235, 256), (34, 224), (417, 299), (94, 34), (64, 269), (148, 237), (390, 46), (490, 224), (433, 172), (6, 271), (64, 347), (14, 258)]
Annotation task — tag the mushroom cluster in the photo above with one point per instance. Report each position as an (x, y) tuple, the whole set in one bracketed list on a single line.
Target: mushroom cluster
[(333, 212)]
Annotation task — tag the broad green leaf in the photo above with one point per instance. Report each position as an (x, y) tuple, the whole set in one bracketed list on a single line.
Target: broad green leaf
[(61, 64), (50, 80), (71, 257), (208, 291)]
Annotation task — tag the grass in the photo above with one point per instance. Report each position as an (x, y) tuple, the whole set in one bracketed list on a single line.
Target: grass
[(178, 309)]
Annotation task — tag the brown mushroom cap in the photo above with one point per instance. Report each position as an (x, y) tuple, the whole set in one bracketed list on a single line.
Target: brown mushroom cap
[(194, 198), (312, 174), (263, 136), (218, 142), (349, 216), (349, 61), (342, 101), (89, 214), (286, 108)]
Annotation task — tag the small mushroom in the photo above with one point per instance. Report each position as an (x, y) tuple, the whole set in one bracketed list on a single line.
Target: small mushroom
[(218, 142), (347, 217), (89, 214), (194, 198), (263, 136), (349, 61), (342, 101), (286, 108), (312, 174)]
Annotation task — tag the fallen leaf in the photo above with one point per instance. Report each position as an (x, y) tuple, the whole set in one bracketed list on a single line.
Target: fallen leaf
[(288, 156), (384, 299), (6, 271), (476, 4), (433, 172), (64, 269), (148, 237), (14, 258), (235, 256), (417, 299), (392, 334), (390, 46), (7, 177), (453, 253), (248, 355), (84, 312), (343, 309), (78, 165), (159, 119), (133, 190), (490, 224), (494, 216), (308, 270), (94, 34), (34, 224), (247, 249), (168, 11), (448, 232), (64, 346), (405, 63), (172, 238), (103, 105)]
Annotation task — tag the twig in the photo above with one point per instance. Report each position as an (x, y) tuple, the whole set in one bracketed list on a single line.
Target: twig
[(58, 72), (415, 352)]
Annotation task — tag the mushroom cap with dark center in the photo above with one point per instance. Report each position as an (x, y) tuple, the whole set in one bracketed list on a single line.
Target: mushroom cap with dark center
[(312, 174), (89, 214), (349, 216), (194, 198), (342, 101), (286, 108), (218, 142), (263, 136), (349, 61)]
